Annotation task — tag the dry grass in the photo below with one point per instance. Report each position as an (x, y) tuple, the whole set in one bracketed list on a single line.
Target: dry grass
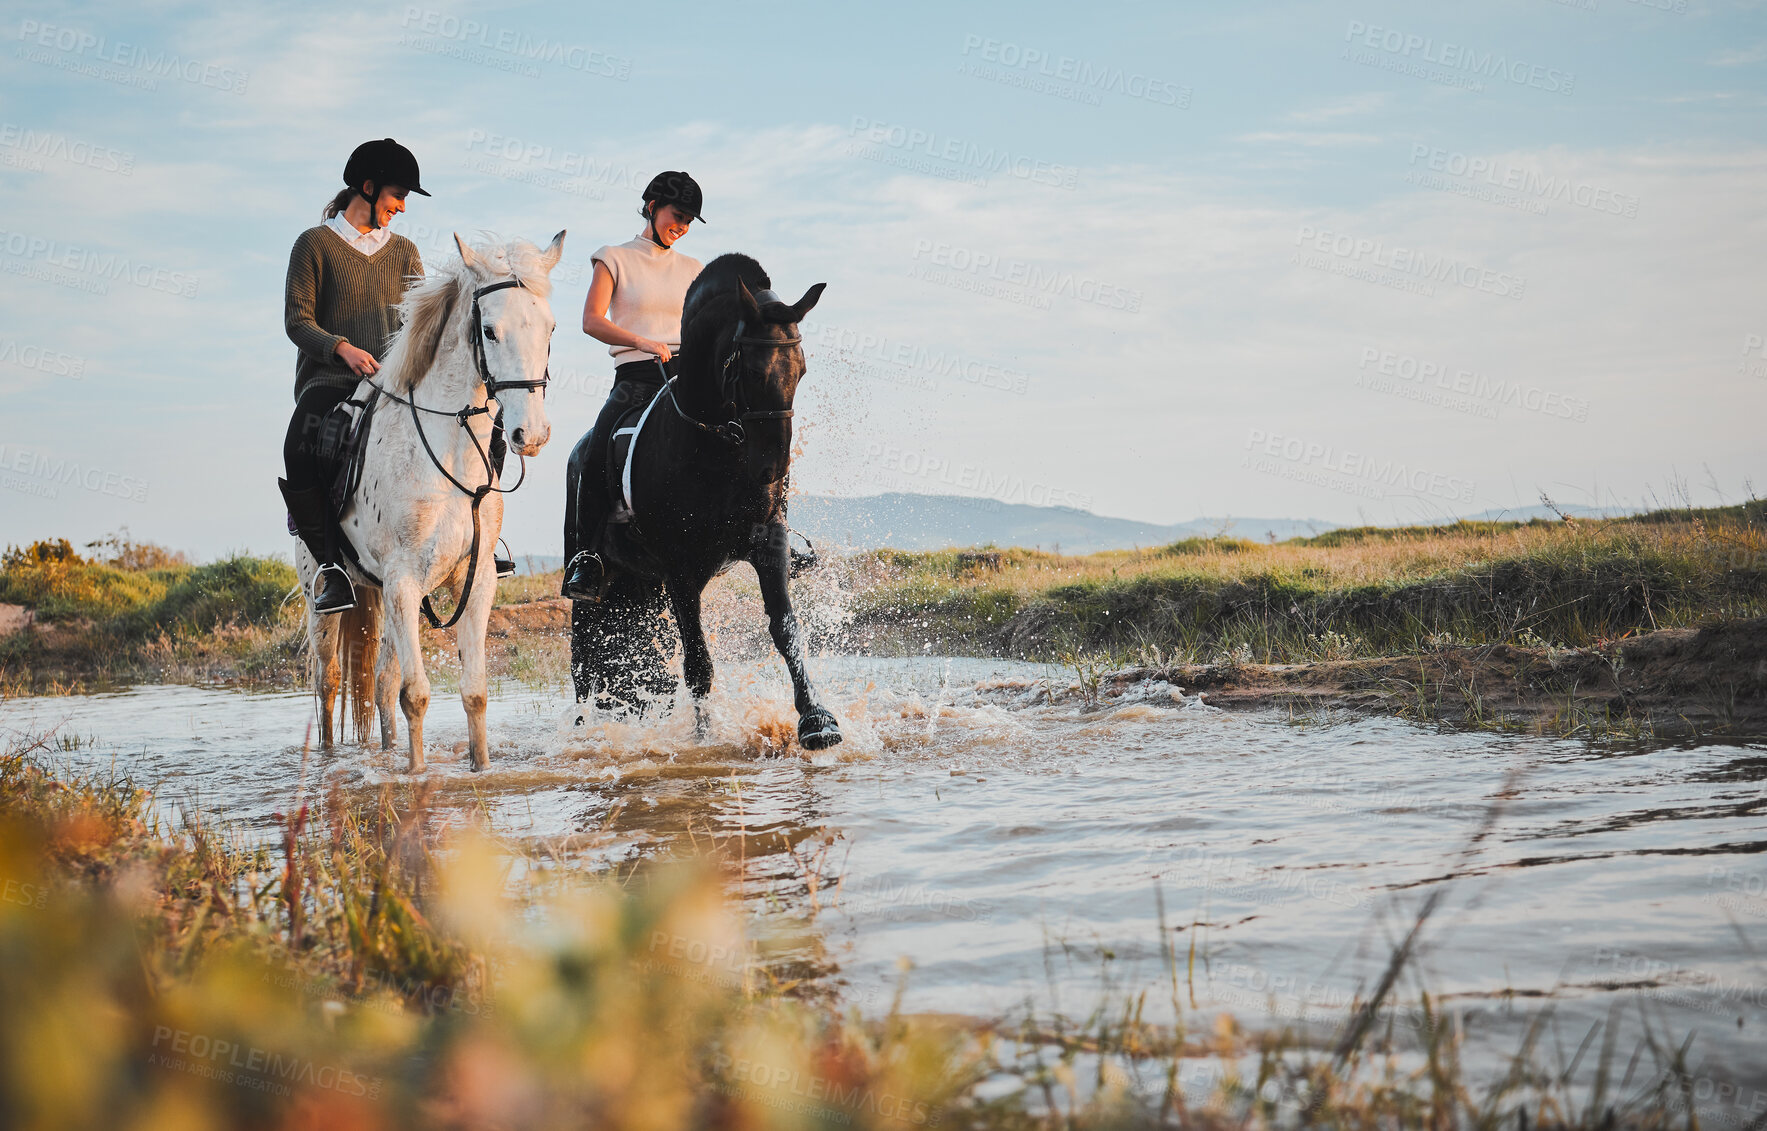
[(1347, 593)]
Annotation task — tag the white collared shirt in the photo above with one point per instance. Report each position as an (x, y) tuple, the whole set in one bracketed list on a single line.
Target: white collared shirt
[(367, 242)]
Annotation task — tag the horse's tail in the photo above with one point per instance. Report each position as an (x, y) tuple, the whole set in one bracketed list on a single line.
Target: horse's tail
[(358, 647)]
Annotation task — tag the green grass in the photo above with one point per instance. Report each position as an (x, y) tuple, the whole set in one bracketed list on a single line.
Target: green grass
[(1366, 591), (144, 613)]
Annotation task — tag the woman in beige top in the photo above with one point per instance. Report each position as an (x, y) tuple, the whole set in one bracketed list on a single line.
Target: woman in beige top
[(634, 305)]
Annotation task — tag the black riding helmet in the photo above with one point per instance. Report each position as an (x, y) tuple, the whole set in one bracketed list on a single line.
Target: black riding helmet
[(674, 187), (385, 162)]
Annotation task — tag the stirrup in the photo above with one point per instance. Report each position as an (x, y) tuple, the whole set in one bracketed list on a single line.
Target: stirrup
[(802, 561), (505, 566), (584, 589), (333, 591)]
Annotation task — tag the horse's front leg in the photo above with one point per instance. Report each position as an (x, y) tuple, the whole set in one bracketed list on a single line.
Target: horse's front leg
[(386, 685), (469, 639), (696, 658), (402, 603), (817, 727)]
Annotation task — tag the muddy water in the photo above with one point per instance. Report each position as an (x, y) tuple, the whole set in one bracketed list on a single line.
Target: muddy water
[(1016, 849)]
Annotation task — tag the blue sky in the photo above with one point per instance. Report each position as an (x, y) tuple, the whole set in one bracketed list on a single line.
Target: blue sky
[(1360, 261)]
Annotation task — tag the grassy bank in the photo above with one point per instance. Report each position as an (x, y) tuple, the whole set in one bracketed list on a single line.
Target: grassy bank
[(1346, 594), (127, 611), (384, 960)]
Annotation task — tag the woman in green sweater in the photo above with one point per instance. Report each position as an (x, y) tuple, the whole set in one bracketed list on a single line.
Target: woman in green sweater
[(345, 279)]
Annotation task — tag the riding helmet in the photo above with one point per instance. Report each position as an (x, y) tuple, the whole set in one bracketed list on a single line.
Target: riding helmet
[(385, 162), (677, 188)]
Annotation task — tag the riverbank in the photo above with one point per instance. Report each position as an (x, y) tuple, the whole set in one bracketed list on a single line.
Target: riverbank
[(1649, 625)]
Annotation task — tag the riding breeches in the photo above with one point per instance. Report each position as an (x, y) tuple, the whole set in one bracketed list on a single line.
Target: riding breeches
[(300, 447), (634, 385)]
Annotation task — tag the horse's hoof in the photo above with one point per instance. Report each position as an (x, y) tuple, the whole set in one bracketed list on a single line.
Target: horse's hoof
[(818, 730)]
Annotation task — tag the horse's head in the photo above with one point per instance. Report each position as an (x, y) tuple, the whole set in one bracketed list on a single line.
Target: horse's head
[(513, 332), (768, 350)]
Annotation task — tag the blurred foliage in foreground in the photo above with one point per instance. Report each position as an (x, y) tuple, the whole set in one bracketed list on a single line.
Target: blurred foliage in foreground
[(372, 969)]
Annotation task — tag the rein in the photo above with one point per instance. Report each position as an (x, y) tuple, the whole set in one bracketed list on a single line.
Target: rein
[(730, 386), (477, 494)]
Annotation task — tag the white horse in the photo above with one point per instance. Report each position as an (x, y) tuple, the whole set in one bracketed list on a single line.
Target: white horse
[(474, 340)]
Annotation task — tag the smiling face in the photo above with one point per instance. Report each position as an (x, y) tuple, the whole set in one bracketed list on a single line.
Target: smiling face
[(670, 223), (389, 204)]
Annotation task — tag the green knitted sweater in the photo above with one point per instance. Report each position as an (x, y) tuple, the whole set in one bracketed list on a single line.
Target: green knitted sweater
[(336, 294)]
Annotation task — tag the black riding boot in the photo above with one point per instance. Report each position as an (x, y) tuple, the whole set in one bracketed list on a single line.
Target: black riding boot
[(311, 511), (583, 577)]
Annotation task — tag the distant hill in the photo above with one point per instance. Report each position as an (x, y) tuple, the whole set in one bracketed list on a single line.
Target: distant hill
[(931, 522), (934, 522)]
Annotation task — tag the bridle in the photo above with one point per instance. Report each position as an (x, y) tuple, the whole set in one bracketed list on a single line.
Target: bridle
[(735, 401), (492, 387)]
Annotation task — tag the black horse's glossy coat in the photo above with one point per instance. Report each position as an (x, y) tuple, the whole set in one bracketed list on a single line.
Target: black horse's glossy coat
[(703, 501)]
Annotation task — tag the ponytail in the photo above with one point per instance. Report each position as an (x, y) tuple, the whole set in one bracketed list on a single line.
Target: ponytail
[(339, 202)]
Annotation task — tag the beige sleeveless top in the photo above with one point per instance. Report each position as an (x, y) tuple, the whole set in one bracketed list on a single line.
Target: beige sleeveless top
[(650, 285)]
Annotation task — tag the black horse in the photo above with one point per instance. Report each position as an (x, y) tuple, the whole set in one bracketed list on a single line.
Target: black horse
[(708, 485)]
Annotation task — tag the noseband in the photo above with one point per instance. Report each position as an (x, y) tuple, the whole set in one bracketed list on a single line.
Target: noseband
[(492, 384), (730, 374)]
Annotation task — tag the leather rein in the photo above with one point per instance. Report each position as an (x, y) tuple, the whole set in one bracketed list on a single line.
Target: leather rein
[(732, 431), (462, 417)]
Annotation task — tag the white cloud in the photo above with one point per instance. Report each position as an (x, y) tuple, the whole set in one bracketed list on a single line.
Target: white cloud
[(1740, 56), (1354, 105)]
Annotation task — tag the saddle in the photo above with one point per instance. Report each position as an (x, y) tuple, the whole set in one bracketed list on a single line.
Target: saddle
[(343, 444), (621, 446)]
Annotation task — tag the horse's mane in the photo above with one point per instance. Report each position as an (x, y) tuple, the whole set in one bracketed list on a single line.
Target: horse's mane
[(428, 307), (711, 299)]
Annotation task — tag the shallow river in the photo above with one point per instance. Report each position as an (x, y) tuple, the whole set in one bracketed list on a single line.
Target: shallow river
[(1017, 851)]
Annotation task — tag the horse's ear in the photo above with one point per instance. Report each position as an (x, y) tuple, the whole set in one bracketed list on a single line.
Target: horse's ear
[(549, 258), (466, 255), (808, 303), (751, 311)]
